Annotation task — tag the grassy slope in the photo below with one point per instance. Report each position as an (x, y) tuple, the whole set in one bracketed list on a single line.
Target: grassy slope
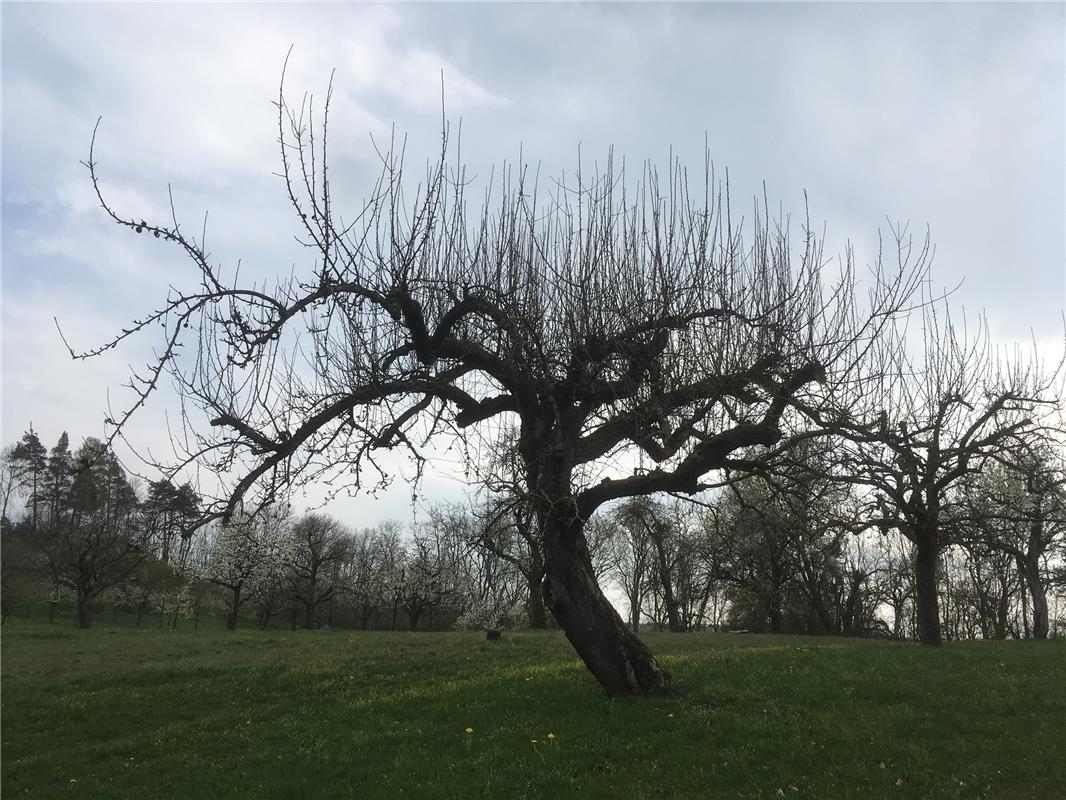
[(204, 714)]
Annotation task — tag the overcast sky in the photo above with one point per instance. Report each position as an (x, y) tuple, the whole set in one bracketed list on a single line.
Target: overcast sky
[(950, 116)]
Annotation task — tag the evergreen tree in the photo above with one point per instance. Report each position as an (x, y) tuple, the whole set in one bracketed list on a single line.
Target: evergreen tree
[(58, 478), (170, 511), (29, 462), (99, 544)]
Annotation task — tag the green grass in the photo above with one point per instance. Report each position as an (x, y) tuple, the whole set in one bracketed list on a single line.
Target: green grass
[(146, 713)]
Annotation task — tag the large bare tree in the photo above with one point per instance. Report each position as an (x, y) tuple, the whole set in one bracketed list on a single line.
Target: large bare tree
[(635, 328)]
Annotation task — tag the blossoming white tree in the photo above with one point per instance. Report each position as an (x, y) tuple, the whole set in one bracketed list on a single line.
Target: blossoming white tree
[(248, 551)]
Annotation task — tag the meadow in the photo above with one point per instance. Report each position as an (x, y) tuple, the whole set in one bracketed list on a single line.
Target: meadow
[(121, 712)]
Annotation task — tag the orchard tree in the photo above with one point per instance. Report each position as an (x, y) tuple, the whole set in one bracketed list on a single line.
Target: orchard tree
[(319, 545), (619, 312), (430, 575), (1018, 509), (247, 552), (929, 411)]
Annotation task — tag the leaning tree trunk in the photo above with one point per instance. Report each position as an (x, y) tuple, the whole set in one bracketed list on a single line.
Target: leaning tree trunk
[(613, 654), (926, 599)]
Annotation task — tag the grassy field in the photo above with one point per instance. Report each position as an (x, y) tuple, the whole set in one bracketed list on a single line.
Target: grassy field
[(125, 713)]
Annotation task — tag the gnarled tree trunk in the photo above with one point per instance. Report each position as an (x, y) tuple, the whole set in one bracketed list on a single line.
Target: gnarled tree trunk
[(620, 661)]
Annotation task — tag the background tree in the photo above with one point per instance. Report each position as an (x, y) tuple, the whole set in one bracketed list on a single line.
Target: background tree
[(28, 462), (59, 477), (926, 420), (319, 542), (95, 545), (246, 552), (632, 564), (169, 512), (655, 528), (1017, 509)]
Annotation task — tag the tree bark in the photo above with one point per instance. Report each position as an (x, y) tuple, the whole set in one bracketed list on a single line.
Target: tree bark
[(926, 599), (1039, 597), (774, 612), (83, 610), (535, 610), (235, 605), (621, 663)]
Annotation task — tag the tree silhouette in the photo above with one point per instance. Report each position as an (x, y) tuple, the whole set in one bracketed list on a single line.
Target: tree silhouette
[(632, 328)]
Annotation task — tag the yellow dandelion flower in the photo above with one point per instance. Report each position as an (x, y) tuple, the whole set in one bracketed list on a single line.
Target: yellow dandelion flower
[(669, 716), (551, 736), (469, 730)]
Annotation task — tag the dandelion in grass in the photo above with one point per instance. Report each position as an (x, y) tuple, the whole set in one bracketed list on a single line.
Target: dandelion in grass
[(551, 737), (469, 731)]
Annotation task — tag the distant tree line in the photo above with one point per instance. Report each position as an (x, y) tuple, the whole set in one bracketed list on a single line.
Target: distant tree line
[(795, 549), (800, 551)]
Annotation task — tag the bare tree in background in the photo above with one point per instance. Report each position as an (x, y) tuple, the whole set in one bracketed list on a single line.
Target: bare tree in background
[(616, 314), (934, 407), (1018, 509), (319, 543)]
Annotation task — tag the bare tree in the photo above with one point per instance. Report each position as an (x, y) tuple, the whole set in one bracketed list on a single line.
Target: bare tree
[(935, 408), (616, 313), (319, 543), (1018, 509), (632, 562)]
